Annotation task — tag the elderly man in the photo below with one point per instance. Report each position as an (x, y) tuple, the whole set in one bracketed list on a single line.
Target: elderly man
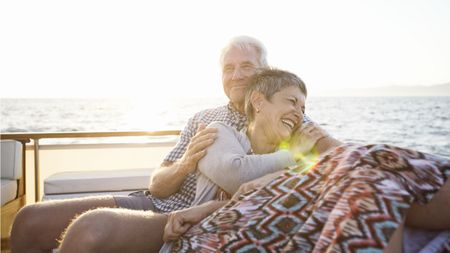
[(240, 59), (125, 226)]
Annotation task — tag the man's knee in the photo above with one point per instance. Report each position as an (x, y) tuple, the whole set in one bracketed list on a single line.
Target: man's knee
[(26, 223), (89, 232)]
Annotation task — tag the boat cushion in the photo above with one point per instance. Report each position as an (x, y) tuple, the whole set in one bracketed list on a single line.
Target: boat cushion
[(9, 190), (97, 181), (84, 194), (11, 159)]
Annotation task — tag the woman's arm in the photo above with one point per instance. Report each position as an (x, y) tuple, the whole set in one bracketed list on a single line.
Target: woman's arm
[(228, 165), (256, 183)]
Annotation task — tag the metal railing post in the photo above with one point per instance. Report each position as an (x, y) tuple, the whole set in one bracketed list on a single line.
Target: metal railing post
[(36, 170)]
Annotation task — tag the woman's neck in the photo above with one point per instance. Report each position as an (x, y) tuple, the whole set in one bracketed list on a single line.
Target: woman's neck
[(258, 140)]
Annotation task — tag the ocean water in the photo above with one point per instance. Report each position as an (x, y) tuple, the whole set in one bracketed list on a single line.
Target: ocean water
[(421, 123)]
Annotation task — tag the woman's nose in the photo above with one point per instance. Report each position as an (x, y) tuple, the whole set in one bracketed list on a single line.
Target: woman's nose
[(298, 112)]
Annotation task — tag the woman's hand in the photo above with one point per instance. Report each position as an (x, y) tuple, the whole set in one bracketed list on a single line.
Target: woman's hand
[(256, 183), (180, 221)]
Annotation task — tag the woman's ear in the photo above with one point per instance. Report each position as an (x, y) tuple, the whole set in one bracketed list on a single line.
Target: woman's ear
[(257, 99)]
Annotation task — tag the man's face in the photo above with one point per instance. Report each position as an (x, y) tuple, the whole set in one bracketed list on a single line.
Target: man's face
[(238, 66)]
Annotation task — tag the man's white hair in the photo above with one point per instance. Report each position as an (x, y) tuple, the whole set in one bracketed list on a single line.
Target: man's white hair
[(245, 43)]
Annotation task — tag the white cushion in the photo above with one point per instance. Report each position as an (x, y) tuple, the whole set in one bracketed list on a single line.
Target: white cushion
[(11, 159), (79, 195), (9, 190), (97, 181)]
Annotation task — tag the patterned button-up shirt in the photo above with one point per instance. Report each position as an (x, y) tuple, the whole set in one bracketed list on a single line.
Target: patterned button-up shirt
[(186, 194), (184, 197)]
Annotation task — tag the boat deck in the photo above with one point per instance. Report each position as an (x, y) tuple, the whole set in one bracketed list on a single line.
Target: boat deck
[(49, 153)]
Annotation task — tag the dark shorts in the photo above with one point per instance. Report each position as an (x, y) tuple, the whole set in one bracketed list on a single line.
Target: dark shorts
[(135, 201)]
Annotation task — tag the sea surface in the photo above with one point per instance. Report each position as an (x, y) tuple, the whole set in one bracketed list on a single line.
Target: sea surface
[(421, 123)]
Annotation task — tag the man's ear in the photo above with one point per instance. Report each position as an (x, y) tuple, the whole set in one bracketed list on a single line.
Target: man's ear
[(257, 99)]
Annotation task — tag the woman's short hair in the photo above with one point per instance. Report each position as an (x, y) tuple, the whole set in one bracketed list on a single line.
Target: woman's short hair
[(246, 42), (269, 81)]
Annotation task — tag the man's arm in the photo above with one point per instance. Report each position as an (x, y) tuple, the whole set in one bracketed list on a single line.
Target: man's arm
[(180, 221), (311, 136), (326, 144), (170, 176)]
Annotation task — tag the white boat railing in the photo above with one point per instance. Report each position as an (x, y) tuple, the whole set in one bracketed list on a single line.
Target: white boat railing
[(33, 143)]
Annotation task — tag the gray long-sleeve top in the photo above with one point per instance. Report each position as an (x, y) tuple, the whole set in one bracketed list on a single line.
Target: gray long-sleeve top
[(228, 163)]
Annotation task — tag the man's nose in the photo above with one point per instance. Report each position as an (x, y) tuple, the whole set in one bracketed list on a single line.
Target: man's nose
[(237, 73)]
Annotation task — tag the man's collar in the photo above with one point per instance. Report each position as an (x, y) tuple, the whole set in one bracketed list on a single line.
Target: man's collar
[(233, 109)]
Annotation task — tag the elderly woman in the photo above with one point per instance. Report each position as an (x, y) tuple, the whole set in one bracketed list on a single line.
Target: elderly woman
[(275, 109), (354, 198), (275, 106)]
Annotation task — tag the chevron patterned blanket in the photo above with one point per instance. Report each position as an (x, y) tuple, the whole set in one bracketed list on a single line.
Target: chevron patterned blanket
[(352, 200)]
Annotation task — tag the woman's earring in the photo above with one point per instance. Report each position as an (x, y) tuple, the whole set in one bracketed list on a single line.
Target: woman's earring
[(257, 110)]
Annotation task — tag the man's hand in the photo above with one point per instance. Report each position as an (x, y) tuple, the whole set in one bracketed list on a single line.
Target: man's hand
[(179, 222), (196, 149), (307, 137), (168, 179)]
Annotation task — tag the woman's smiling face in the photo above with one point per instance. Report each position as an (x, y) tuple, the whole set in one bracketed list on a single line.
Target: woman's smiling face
[(282, 114)]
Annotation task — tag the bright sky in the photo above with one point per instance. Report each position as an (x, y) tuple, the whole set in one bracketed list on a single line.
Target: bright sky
[(89, 48)]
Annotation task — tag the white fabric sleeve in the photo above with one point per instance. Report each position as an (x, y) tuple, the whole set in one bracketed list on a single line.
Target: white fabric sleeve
[(205, 191), (227, 164)]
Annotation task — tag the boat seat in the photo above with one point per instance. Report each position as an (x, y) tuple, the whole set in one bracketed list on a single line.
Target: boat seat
[(12, 185), (74, 184), (9, 190), (11, 169)]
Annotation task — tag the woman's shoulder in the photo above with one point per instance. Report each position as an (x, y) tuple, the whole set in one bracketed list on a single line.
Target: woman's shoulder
[(230, 133), (226, 130)]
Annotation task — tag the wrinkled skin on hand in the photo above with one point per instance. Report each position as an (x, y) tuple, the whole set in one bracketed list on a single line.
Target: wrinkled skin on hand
[(307, 136), (180, 221), (196, 149)]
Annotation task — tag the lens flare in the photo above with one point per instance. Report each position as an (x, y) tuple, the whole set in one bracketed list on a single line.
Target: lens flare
[(305, 161)]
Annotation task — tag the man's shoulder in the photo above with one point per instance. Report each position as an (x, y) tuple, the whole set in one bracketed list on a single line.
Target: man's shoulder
[(212, 114), (221, 126), (222, 108), (223, 114)]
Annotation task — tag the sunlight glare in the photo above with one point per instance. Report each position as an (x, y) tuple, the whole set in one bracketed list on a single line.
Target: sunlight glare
[(148, 114)]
